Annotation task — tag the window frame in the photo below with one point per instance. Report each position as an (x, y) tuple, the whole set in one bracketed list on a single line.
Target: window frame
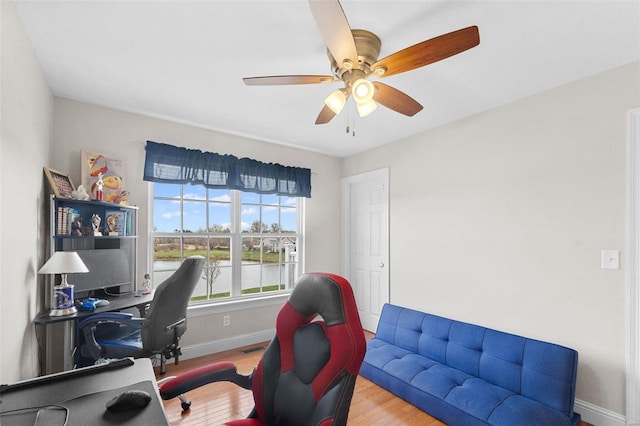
[(236, 236)]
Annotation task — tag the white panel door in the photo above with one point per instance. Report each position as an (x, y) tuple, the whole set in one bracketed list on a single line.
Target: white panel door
[(365, 249)]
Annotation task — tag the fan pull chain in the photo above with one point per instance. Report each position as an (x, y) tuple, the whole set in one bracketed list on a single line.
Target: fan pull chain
[(351, 128)]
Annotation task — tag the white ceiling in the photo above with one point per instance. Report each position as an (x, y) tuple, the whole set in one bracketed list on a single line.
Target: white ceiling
[(184, 61)]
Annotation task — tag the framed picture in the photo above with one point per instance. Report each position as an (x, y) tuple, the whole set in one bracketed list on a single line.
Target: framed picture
[(60, 183), (112, 171), (116, 222)]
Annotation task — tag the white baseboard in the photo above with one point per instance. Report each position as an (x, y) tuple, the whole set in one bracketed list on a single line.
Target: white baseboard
[(214, 346), (598, 416)]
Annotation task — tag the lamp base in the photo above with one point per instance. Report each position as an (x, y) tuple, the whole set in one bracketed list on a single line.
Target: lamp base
[(63, 312)]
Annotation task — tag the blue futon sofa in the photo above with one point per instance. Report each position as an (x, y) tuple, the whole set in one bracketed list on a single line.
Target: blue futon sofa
[(464, 374)]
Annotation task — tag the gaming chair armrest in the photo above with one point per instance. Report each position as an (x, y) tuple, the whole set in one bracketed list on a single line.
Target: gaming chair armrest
[(217, 372)]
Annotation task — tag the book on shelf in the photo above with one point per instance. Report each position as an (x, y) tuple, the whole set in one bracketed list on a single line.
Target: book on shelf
[(128, 228), (61, 221), (68, 221)]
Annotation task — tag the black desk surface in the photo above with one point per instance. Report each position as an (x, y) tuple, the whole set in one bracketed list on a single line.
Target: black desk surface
[(116, 303), (84, 396)]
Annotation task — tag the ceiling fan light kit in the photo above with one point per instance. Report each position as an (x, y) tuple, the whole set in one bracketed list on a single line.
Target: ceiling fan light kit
[(362, 91), (366, 108), (336, 101), (353, 56)]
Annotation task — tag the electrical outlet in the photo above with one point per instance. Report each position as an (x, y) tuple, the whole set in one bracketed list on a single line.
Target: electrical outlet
[(610, 259), (226, 321)]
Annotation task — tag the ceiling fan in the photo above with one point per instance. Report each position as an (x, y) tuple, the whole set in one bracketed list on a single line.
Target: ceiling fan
[(354, 57)]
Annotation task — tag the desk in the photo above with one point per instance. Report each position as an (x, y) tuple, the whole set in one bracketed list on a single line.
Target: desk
[(84, 396), (57, 335), (116, 303)]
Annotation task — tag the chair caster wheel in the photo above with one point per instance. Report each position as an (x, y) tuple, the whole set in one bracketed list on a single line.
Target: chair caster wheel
[(186, 405)]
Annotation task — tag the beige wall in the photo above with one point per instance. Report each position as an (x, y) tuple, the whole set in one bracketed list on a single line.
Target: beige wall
[(26, 114), (79, 126), (499, 220)]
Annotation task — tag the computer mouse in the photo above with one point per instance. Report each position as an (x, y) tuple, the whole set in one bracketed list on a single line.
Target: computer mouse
[(101, 302), (132, 399)]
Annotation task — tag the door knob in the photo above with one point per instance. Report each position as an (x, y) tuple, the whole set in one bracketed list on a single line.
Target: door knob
[(381, 265)]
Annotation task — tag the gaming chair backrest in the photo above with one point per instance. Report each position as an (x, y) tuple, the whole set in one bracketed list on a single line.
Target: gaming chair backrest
[(308, 372), (169, 305)]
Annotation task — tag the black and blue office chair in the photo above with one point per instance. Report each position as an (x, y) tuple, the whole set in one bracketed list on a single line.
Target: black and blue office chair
[(118, 335)]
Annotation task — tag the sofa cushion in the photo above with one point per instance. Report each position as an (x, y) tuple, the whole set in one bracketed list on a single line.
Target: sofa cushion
[(465, 347), (501, 360), (435, 337), (549, 374), (439, 380), (409, 330), (382, 353), (407, 367), (517, 406), (477, 397)]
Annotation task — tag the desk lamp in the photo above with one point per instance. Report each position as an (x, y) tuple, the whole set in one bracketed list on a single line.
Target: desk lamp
[(63, 263)]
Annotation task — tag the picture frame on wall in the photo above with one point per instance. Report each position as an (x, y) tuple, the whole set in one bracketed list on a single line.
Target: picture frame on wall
[(111, 169), (60, 183)]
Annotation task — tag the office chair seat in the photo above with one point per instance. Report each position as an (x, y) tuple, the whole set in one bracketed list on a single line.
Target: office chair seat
[(118, 335), (307, 374)]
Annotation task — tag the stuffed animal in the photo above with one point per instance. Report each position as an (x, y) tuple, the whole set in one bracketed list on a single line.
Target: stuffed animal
[(80, 194)]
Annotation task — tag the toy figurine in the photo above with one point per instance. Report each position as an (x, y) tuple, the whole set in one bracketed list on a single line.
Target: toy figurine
[(112, 224), (76, 226), (100, 185), (95, 224), (146, 284)]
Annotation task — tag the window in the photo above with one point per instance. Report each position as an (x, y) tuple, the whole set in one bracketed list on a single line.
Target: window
[(251, 240)]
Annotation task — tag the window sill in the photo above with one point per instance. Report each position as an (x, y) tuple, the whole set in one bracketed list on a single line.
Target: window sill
[(239, 304)]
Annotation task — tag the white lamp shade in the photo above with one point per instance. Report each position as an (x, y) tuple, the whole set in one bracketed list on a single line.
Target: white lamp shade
[(64, 262), (366, 108), (363, 91), (336, 101)]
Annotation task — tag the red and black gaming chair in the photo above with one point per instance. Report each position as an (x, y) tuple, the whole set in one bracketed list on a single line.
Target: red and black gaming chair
[(308, 372)]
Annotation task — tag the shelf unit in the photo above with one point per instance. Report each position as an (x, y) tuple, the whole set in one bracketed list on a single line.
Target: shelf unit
[(103, 255), (71, 230)]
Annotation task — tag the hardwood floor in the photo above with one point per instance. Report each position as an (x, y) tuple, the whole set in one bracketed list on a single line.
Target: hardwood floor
[(217, 403)]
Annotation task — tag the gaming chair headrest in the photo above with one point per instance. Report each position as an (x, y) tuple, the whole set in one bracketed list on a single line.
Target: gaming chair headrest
[(319, 293)]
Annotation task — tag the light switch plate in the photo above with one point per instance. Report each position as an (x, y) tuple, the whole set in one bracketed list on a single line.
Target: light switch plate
[(610, 259)]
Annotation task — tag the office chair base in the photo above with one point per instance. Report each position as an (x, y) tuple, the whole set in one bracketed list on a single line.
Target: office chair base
[(173, 352), (184, 403)]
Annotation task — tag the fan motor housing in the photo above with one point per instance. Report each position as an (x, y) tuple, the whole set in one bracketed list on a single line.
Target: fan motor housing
[(368, 48)]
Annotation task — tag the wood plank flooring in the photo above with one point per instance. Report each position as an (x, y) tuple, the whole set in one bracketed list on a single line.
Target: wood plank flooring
[(217, 403)]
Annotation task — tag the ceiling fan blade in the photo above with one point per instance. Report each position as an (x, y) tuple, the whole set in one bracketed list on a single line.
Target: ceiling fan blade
[(395, 99), (325, 115), (288, 79), (335, 30), (428, 52)]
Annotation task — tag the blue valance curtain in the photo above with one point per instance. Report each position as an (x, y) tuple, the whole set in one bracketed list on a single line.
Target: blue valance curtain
[(171, 164)]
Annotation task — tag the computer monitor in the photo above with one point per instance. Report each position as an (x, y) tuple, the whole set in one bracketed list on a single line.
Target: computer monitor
[(108, 268)]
